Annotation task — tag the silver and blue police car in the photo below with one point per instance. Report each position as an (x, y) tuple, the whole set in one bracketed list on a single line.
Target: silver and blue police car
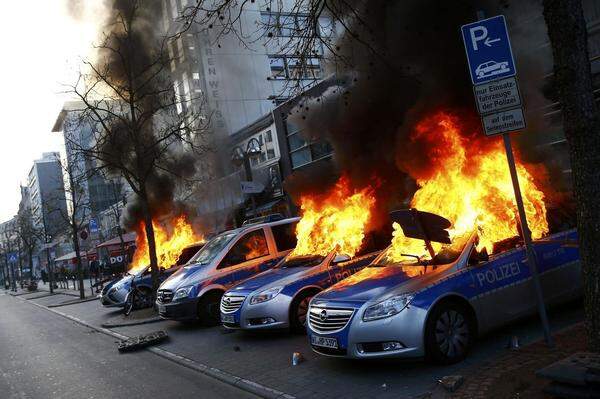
[(436, 308), (279, 298)]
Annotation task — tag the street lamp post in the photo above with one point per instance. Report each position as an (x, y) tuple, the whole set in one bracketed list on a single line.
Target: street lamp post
[(240, 156)]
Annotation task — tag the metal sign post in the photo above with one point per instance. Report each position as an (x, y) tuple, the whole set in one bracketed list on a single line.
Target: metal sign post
[(492, 69)]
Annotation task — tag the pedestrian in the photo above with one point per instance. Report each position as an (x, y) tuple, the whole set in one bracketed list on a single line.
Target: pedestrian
[(44, 276)]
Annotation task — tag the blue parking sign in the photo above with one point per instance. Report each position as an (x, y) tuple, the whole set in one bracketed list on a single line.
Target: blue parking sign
[(488, 49)]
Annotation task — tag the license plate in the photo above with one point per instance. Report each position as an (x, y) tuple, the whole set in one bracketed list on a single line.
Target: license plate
[(324, 342), (227, 318), (162, 308)]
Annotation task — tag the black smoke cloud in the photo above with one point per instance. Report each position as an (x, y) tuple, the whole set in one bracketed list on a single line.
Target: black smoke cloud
[(406, 62), (140, 66)]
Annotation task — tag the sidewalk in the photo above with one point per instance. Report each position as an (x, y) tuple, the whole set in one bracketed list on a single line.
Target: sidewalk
[(512, 375)]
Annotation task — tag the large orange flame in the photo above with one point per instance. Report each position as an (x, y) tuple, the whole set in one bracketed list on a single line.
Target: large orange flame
[(339, 218), (169, 244), (472, 189)]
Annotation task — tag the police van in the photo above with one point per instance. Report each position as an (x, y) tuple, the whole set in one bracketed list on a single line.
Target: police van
[(194, 292)]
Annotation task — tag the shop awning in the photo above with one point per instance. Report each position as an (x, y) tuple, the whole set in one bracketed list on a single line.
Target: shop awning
[(127, 238)]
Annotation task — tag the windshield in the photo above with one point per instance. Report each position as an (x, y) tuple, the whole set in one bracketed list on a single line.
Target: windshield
[(212, 249), (301, 261), (444, 255)]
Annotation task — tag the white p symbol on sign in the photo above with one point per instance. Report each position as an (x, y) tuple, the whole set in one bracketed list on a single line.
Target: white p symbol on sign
[(478, 33)]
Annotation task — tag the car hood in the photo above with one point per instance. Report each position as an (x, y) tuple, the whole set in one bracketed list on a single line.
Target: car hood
[(374, 283), (188, 275), (272, 278), (124, 282)]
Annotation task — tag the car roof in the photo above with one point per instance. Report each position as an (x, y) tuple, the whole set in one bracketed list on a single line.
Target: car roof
[(241, 229)]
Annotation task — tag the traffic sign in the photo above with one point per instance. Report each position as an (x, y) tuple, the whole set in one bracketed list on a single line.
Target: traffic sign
[(497, 95), (251, 187), (488, 50), (13, 257), (93, 225), (504, 121)]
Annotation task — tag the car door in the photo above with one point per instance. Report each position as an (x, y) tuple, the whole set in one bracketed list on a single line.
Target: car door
[(502, 286), (247, 257), (559, 267)]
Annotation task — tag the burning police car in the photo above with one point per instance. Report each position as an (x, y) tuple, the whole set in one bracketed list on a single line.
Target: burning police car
[(413, 306), (278, 298), (118, 292), (194, 292)]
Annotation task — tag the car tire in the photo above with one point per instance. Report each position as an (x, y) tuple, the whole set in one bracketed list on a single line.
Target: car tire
[(299, 312), (449, 333), (209, 313)]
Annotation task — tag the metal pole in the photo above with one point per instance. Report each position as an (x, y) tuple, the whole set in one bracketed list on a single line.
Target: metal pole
[(531, 257), (248, 170)]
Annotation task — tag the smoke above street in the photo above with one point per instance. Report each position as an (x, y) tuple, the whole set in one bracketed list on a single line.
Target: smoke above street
[(131, 65), (401, 62)]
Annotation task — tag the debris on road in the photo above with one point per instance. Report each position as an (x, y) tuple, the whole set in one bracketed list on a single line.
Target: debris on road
[(142, 341), (237, 349), (297, 358), (514, 343), (451, 382)]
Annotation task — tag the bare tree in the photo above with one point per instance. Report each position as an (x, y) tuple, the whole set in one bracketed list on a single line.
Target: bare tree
[(77, 212), (144, 130), (28, 236), (573, 79)]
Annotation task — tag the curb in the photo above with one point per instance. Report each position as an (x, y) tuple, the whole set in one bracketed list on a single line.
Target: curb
[(131, 323), (44, 295), (230, 379), (73, 302)]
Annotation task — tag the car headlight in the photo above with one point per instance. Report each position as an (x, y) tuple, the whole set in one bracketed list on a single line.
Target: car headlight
[(387, 308), (265, 295), (183, 292)]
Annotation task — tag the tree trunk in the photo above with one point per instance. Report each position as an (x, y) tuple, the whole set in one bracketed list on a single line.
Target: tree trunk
[(78, 257), (568, 37), (151, 242), (50, 270)]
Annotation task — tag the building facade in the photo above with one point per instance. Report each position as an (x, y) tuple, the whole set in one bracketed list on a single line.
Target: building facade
[(98, 192), (47, 194)]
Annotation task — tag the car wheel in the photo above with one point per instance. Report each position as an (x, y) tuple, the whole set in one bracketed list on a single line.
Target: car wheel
[(209, 313), (449, 333), (299, 312)]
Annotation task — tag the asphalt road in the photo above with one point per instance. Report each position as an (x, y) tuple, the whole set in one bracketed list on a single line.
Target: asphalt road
[(43, 355)]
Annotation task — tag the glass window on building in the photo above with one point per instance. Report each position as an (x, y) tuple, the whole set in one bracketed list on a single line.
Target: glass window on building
[(287, 25), (269, 24), (270, 153), (326, 27), (295, 69), (268, 136), (291, 127), (302, 23), (300, 157), (313, 68), (277, 65), (320, 150), (295, 141)]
